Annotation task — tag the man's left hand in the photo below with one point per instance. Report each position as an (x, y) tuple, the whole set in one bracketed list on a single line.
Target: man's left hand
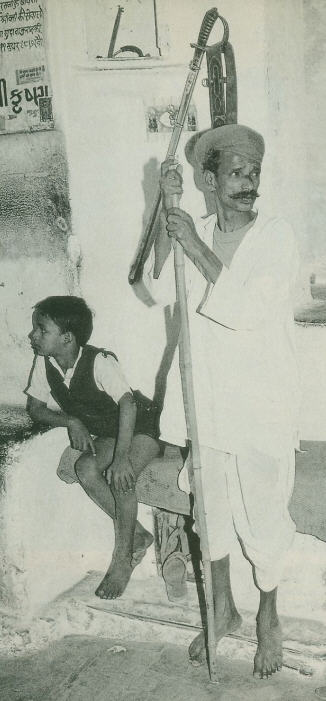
[(180, 226)]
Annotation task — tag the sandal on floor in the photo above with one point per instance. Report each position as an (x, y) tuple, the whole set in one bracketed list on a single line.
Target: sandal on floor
[(174, 573), (321, 692)]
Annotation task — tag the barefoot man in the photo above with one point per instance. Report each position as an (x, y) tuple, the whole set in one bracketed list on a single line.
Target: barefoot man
[(241, 268)]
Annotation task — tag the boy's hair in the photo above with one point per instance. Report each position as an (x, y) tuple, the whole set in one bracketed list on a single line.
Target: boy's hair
[(70, 314)]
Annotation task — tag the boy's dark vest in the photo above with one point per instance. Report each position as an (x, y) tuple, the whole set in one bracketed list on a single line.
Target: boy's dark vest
[(96, 409)]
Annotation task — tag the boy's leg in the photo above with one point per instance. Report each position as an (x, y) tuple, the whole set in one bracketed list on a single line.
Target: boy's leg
[(129, 539), (90, 471)]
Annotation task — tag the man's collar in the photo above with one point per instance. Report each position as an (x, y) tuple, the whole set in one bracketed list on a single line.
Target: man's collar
[(207, 219)]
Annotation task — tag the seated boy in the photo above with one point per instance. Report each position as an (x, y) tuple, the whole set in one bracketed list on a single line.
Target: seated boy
[(113, 432)]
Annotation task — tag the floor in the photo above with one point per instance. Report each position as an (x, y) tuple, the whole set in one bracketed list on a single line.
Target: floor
[(136, 649), (80, 668), (125, 650)]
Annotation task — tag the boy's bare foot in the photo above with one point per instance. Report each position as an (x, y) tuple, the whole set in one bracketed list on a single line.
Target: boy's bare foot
[(141, 545), (227, 621), (117, 577), (268, 658), (115, 580)]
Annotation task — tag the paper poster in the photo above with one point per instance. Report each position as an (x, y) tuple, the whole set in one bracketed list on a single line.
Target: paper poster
[(25, 91), (162, 118)]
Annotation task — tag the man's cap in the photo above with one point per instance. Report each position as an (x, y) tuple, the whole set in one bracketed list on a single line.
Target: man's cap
[(190, 146), (230, 137)]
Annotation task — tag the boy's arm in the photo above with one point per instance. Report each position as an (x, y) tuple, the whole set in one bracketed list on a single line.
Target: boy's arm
[(79, 435), (39, 412), (121, 471)]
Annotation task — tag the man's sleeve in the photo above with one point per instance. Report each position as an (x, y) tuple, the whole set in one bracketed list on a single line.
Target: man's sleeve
[(109, 377), (38, 386), (244, 302)]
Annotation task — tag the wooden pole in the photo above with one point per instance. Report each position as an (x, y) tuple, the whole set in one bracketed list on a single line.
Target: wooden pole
[(191, 420)]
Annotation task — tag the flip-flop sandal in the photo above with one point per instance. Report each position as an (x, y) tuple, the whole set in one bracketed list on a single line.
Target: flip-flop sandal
[(174, 573)]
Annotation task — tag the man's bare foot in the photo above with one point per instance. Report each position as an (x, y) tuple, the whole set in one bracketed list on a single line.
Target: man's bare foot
[(227, 621), (268, 658)]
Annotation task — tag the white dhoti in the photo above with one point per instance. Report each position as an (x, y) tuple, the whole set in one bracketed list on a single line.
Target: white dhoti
[(247, 496)]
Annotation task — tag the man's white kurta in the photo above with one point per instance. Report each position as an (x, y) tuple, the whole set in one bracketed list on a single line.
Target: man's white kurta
[(243, 355)]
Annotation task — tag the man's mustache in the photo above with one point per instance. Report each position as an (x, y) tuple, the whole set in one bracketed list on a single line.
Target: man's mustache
[(252, 194)]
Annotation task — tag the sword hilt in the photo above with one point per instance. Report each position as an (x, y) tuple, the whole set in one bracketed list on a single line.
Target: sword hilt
[(201, 45), (204, 32)]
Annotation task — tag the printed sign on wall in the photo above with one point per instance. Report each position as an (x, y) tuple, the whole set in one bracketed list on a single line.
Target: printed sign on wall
[(162, 117), (25, 92)]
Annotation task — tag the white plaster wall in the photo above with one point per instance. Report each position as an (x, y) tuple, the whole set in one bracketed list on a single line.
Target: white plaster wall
[(51, 533), (311, 349), (33, 251), (313, 105)]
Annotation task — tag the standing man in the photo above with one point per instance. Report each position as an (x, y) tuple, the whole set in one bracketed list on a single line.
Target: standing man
[(241, 269)]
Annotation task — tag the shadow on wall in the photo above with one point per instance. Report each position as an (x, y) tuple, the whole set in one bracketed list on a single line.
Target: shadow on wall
[(172, 329), (149, 184), (171, 314)]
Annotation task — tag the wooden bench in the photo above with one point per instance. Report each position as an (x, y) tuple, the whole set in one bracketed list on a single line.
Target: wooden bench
[(157, 486)]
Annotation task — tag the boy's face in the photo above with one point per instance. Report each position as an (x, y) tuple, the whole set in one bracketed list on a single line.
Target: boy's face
[(46, 337)]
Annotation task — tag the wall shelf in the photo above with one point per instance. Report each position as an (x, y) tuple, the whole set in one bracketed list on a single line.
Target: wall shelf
[(119, 64)]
